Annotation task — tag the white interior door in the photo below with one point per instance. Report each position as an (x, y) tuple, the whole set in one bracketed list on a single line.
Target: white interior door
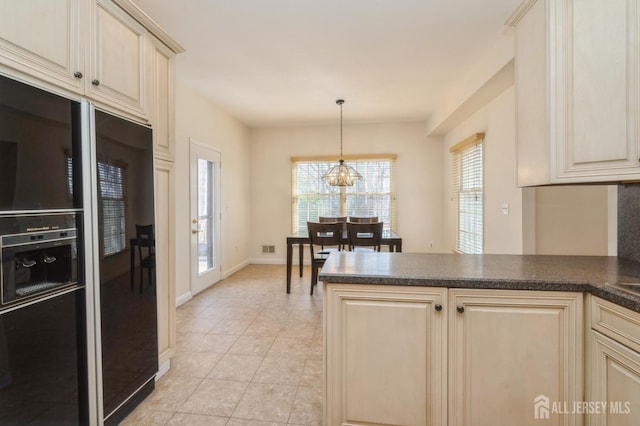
[(205, 217)]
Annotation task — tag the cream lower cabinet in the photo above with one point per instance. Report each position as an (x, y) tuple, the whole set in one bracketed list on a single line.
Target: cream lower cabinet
[(385, 355), (165, 255), (431, 356), (514, 354), (615, 381), (613, 370)]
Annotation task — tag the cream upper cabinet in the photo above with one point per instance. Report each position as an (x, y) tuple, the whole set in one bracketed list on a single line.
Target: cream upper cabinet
[(385, 355), (577, 89), (162, 115), (104, 50), (511, 351), (119, 64), (613, 370), (42, 38)]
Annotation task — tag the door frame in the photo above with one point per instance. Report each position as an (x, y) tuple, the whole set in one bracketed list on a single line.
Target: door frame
[(196, 147)]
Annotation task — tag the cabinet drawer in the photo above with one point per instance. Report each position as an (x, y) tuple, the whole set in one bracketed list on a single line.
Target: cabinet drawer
[(620, 324)]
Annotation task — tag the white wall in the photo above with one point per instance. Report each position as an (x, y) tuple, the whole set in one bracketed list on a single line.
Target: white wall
[(502, 233), (419, 179), (197, 118)]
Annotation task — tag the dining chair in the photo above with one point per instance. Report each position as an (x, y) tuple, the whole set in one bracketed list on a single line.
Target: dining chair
[(145, 240), (341, 219), (361, 219), (364, 235), (327, 236)]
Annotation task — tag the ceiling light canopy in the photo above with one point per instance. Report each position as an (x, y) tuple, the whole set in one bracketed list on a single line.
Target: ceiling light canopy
[(341, 175)]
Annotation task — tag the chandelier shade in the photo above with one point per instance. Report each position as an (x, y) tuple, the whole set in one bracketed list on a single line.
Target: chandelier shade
[(341, 175)]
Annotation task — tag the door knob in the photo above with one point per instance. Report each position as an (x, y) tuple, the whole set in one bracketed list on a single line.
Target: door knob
[(438, 307), (194, 221), (195, 231), (460, 309)]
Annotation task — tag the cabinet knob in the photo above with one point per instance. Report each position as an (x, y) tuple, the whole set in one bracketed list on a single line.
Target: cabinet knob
[(460, 309), (95, 82), (438, 307), (77, 74)]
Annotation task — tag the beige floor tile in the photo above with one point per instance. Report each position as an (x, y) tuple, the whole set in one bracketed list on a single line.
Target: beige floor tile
[(171, 392), (307, 407), (312, 373), (292, 347), (263, 335), (266, 402), (185, 419), (302, 330), (268, 327), (285, 371), (273, 314), (197, 324), (244, 422), (193, 364), (200, 311), (252, 345), (240, 313), (199, 342), (143, 417), (228, 326), (236, 367), (214, 397)]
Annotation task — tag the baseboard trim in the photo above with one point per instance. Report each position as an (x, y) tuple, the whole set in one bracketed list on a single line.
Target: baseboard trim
[(228, 272), (163, 369), (181, 300), (261, 261)]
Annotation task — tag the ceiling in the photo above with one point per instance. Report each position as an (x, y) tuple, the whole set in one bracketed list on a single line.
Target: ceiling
[(285, 62)]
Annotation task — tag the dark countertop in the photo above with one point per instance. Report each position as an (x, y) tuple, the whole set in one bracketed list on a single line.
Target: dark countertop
[(602, 276)]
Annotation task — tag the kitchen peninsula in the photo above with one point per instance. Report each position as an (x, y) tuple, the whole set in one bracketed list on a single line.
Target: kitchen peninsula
[(480, 339)]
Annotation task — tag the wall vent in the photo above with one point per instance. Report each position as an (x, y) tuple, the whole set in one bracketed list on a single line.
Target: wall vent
[(268, 249)]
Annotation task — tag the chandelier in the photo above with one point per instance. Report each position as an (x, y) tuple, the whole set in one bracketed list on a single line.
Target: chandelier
[(341, 175)]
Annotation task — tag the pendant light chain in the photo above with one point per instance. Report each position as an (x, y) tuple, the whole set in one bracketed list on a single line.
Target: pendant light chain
[(340, 102), (342, 174)]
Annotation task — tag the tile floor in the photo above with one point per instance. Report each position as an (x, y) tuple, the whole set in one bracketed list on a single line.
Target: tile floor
[(247, 354)]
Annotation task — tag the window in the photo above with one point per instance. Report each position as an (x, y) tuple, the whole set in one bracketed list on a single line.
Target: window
[(112, 178), (312, 197), (467, 193)]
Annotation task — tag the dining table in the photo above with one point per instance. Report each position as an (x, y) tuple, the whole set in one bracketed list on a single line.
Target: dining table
[(301, 238)]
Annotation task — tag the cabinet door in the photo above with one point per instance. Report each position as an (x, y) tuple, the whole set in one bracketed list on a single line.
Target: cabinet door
[(385, 354), (162, 118), (165, 250), (118, 60), (597, 89), (512, 355), (41, 38), (614, 379)]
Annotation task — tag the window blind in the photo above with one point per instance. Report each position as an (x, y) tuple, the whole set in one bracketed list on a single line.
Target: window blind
[(112, 206), (467, 157), (312, 197)]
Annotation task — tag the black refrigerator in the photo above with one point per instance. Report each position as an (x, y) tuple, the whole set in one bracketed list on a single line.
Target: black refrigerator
[(124, 250)]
